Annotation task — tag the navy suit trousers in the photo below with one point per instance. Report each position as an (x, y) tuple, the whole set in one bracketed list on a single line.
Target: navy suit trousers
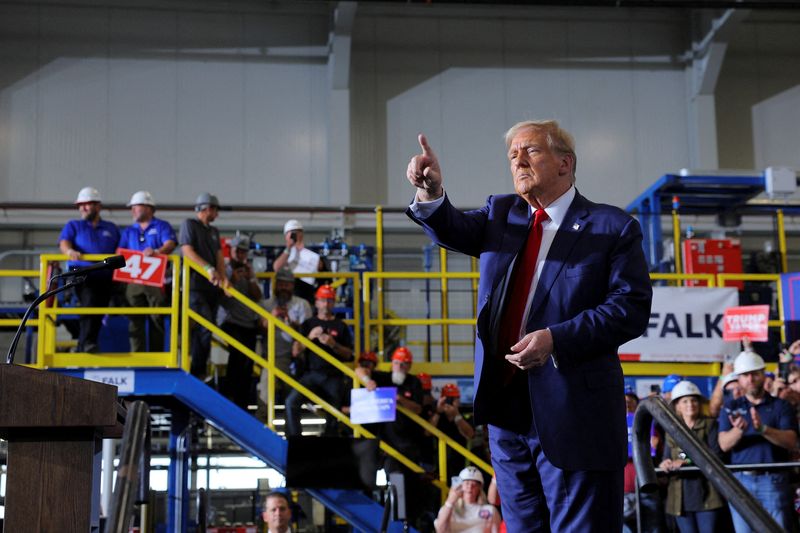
[(537, 496)]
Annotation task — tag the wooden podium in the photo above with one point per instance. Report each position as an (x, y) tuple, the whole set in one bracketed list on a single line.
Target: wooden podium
[(54, 425)]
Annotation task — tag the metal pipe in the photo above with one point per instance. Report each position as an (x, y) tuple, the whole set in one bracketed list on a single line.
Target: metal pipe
[(676, 237), (126, 489), (713, 469), (379, 286), (782, 240), (107, 490)]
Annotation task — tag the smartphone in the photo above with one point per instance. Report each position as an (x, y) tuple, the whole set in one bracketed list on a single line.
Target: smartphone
[(655, 388), (293, 236), (449, 401), (455, 481)]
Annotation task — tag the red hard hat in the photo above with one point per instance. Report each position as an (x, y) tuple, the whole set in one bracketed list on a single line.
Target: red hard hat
[(425, 379), (450, 390), (403, 355), (325, 292), (368, 356)]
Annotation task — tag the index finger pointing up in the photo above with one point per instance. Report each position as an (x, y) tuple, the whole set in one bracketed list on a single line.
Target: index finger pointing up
[(423, 143)]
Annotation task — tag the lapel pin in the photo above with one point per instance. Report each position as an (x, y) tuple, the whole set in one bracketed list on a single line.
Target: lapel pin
[(576, 226)]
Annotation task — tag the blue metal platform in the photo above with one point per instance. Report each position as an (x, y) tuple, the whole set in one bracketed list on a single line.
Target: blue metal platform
[(245, 430)]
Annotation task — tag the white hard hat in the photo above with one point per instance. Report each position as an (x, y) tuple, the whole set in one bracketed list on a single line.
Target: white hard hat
[(685, 388), (88, 194), (471, 473), (748, 361), (142, 198), (729, 378), (292, 225)]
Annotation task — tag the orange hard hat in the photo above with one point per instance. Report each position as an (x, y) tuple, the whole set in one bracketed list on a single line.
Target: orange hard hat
[(450, 390), (325, 292), (368, 356), (403, 355), (425, 379)]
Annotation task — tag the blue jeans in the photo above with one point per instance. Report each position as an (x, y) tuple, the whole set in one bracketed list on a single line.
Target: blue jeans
[(698, 521), (772, 490)]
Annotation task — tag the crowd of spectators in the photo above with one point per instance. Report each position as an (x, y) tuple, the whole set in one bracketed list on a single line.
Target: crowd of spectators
[(750, 420), (751, 417)]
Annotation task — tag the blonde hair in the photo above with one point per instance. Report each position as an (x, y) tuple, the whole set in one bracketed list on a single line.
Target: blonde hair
[(558, 139)]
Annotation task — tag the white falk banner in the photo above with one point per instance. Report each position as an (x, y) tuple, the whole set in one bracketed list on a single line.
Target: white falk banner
[(686, 324)]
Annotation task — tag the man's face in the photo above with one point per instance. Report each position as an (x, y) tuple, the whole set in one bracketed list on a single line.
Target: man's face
[(752, 383), (284, 289), (240, 255), (89, 210), (537, 169), (209, 214), (324, 305), (277, 514), (141, 213), (400, 367)]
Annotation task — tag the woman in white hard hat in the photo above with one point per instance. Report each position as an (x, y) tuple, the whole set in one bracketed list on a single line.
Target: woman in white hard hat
[(466, 510), (691, 499)]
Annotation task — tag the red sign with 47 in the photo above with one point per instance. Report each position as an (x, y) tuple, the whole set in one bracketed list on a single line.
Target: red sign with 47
[(141, 269)]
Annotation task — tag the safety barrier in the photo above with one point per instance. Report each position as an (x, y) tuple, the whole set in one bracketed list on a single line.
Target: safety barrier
[(19, 273), (273, 372), (49, 356)]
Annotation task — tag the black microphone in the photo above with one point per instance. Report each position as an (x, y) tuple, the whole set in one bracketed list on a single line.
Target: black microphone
[(109, 263)]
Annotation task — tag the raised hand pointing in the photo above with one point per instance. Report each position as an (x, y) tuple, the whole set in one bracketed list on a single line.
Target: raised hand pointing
[(423, 172)]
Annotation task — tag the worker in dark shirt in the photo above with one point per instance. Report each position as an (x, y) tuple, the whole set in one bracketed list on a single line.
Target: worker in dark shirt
[(332, 335), (447, 418)]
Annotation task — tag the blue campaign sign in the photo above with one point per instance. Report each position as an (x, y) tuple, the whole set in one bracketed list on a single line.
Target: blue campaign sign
[(367, 407)]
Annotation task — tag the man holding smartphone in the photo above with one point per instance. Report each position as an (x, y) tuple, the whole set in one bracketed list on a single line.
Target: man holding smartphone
[(448, 419), (756, 429), (299, 259)]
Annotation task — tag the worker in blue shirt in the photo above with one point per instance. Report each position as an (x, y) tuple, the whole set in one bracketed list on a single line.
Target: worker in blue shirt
[(90, 235), (757, 429), (149, 235)]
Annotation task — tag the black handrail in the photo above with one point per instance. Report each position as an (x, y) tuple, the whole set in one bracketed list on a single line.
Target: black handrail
[(130, 469), (719, 476)]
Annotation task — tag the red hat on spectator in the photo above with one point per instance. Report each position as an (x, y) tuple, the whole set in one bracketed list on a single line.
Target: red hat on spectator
[(325, 292), (368, 356), (403, 355), (450, 390), (425, 379)]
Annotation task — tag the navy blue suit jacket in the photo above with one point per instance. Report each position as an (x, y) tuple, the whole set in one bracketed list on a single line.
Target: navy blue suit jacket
[(594, 294)]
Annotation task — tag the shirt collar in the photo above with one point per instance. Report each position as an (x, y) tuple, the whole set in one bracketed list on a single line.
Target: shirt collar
[(557, 209)]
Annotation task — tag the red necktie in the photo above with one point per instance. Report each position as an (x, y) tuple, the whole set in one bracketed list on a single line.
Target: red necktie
[(520, 287)]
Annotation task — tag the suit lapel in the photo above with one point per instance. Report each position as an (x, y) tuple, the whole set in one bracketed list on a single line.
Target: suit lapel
[(516, 232), (568, 233)]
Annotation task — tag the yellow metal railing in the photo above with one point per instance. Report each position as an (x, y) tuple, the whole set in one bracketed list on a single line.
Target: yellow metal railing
[(47, 354), (338, 279), (14, 322), (273, 372), (380, 322)]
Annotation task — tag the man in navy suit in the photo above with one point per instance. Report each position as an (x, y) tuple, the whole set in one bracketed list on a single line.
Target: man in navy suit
[(563, 284)]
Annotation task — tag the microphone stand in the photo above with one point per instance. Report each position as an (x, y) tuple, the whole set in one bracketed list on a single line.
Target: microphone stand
[(77, 280)]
